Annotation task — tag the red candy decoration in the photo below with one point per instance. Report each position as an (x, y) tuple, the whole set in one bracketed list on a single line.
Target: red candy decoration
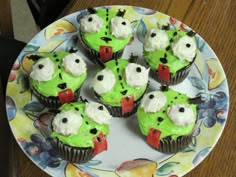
[(153, 137), (127, 104), (105, 53), (100, 144), (66, 96), (164, 72)]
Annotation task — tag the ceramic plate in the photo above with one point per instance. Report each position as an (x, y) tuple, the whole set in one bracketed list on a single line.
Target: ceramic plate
[(206, 78)]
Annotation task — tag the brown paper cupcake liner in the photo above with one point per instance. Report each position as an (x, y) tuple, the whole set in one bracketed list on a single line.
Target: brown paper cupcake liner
[(116, 111), (95, 56), (52, 101), (73, 154), (168, 145), (179, 76)]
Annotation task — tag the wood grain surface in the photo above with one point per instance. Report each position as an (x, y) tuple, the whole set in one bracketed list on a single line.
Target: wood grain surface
[(6, 30), (215, 21)]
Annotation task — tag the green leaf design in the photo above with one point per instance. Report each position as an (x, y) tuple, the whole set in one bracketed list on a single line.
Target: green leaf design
[(33, 109), (23, 80), (33, 106), (194, 142), (191, 147), (30, 115), (31, 48), (134, 24), (159, 26), (200, 43), (198, 83), (167, 168), (188, 149), (141, 30)]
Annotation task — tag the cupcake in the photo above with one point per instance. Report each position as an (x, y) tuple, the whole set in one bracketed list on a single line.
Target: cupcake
[(170, 54), (105, 33), (167, 119), (57, 77), (120, 85), (79, 131)]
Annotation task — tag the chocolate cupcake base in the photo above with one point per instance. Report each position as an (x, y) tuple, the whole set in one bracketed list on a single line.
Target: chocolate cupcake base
[(73, 154), (116, 111), (94, 55), (52, 101), (168, 145), (179, 76)]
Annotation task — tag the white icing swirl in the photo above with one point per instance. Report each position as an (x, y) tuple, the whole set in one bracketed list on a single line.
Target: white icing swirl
[(104, 81), (155, 39), (98, 113), (153, 101), (91, 23), (185, 48), (136, 75), (43, 70), (181, 114), (120, 27), (67, 123), (74, 64)]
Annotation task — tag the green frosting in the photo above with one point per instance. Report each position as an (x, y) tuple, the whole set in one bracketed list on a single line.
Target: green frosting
[(50, 88), (114, 97), (165, 125), (84, 137), (174, 63), (94, 41)]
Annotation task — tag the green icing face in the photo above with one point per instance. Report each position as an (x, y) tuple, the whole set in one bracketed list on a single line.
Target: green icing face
[(121, 89), (161, 121), (61, 79), (165, 55), (87, 131), (104, 36)]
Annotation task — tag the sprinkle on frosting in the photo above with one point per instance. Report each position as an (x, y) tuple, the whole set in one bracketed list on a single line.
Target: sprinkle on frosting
[(91, 23), (74, 64), (136, 75), (153, 101), (185, 48), (98, 113), (120, 27), (155, 39), (67, 123), (181, 114), (43, 70), (104, 81)]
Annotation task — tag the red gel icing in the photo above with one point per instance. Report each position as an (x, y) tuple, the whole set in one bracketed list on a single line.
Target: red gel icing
[(127, 104), (100, 144), (164, 72), (66, 96), (153, 137), (105, 53)]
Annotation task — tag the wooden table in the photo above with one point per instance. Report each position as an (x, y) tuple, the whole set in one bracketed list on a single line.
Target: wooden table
[(215, 21)]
